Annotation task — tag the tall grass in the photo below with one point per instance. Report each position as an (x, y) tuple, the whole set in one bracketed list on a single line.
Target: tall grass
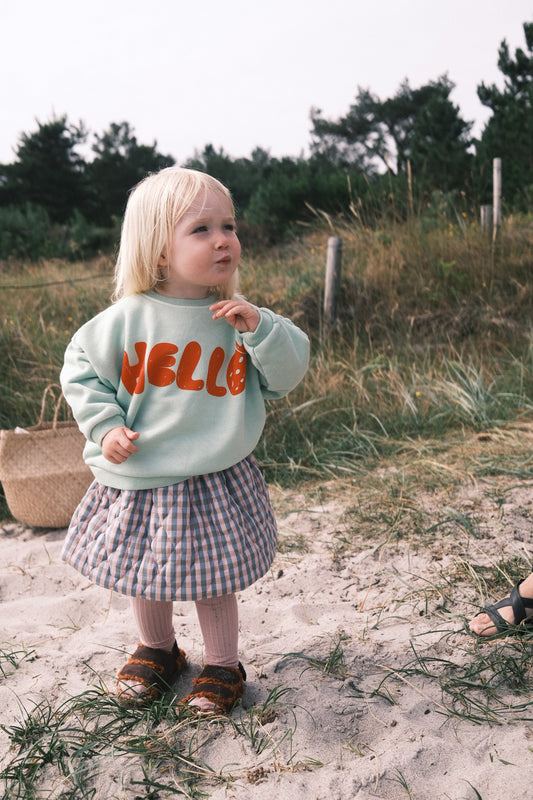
[(434, 336), (42, 306)]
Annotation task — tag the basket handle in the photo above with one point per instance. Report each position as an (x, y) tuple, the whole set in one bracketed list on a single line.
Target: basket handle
[(47, 391)]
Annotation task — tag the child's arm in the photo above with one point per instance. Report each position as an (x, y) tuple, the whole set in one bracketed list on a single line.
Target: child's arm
[(118, 446), (279, 350), (92, 398), (243, 316)]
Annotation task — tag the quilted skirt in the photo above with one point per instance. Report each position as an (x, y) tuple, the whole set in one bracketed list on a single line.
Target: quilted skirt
[(207, 536)]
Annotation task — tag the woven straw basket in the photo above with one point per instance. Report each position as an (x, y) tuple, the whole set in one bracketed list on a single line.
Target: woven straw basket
[(42, 470)]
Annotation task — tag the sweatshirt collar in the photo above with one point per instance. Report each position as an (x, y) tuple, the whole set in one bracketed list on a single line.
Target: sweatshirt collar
[(204, 302)]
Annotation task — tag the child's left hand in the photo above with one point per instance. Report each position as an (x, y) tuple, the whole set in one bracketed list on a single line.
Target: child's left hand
[(243, 316)]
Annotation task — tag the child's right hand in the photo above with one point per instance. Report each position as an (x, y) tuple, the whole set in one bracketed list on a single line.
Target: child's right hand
[(117, 444)]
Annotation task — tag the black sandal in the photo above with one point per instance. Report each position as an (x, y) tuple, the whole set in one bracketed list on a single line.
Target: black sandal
[(519, 605), (154, 669), (222, 686)]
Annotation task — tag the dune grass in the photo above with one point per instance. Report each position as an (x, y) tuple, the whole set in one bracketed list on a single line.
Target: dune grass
[(420, 349), (156, 750)]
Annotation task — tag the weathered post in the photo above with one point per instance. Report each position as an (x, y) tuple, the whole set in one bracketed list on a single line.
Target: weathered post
[(333, 280), (496, 195), (486, 218)]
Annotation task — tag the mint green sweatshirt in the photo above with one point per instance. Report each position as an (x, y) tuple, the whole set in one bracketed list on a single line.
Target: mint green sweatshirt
[(191, 386)]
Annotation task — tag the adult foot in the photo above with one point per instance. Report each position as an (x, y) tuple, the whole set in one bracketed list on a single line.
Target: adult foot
[(507, 613)]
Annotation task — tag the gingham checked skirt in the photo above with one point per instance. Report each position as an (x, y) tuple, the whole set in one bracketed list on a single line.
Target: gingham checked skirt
[(210, 535)]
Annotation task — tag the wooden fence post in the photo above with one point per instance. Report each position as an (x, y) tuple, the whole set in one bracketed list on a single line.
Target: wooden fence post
[(496, 195), (486, 218), (333, 280)]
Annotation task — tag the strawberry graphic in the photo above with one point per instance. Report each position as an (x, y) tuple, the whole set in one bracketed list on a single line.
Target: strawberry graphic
[(236, 372)]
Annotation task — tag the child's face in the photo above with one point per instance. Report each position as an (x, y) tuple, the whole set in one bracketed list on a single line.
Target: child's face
[(205, 250)]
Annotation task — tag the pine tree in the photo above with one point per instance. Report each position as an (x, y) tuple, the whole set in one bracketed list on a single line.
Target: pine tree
[(508, 133)]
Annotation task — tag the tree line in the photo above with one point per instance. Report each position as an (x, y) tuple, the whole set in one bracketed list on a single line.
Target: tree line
[(392, 156)]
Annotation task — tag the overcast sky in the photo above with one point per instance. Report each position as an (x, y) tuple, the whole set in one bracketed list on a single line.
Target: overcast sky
[(237, 73)]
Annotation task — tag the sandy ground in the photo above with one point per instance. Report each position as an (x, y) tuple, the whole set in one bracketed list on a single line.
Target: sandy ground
[(370, 728)]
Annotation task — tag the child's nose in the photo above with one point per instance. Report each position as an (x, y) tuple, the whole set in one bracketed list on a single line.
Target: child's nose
[(221, 239)]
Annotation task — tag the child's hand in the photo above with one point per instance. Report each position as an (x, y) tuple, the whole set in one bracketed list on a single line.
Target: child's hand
[(242, 315), (117, 444)]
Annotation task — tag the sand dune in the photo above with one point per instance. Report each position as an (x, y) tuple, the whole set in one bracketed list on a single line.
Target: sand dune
[(353, 641)]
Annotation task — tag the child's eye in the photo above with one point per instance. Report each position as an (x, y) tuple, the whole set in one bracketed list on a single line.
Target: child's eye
[(200, 229), (230, 227)]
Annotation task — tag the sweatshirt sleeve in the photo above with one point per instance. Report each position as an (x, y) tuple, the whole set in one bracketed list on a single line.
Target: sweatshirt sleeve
[(92, 399), (279, 350)]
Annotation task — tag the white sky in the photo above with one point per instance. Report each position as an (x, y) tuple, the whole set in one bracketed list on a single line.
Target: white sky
[(237, 73)]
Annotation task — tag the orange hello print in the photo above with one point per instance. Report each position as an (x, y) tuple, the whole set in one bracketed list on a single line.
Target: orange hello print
[(161, 367)]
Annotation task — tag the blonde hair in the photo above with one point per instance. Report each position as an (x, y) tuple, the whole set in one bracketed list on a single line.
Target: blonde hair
[(154, 208)]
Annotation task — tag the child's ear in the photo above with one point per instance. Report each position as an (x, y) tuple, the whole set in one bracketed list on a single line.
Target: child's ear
[(162, 261)]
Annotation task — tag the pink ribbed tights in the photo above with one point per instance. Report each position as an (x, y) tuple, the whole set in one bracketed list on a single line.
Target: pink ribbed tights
[(219, 623)]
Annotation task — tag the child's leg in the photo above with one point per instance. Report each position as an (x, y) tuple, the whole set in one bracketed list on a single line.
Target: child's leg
[(154, 622), (219, 622), (157, 661)]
